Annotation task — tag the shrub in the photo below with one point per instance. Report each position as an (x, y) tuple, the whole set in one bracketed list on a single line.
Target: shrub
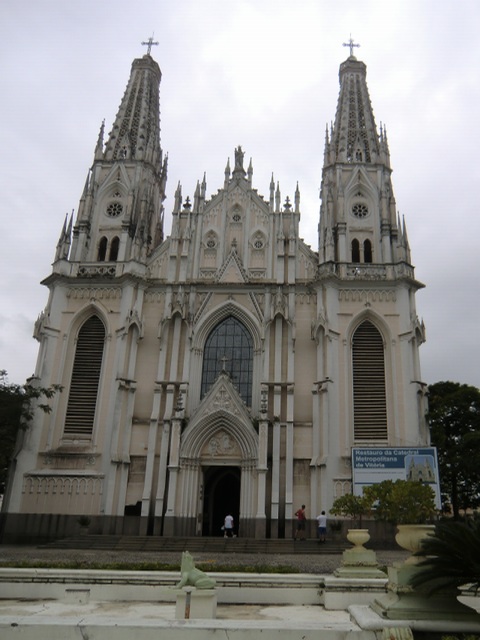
[(402, 501), (351, 506)]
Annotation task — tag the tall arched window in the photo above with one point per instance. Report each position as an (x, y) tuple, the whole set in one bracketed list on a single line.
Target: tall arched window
[(355, 250), (367, 251), (369, 393), (114, 245), (102, 249), (87, 365), (229, 347)]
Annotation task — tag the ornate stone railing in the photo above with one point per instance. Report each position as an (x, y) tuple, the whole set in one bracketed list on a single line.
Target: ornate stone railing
[(364, 271), (94, 270), (99, 269)]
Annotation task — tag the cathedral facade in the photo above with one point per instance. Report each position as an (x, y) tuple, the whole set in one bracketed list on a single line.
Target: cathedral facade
[(226, 367)]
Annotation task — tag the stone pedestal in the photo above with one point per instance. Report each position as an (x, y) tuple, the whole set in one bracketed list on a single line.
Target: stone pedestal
[(402, 602), (359, 563), (340, 593), (203, 603)]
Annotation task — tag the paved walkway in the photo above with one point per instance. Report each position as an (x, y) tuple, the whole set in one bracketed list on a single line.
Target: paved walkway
[(124, 621)]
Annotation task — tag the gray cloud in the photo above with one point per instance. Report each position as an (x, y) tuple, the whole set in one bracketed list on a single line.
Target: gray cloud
[(263, 75)]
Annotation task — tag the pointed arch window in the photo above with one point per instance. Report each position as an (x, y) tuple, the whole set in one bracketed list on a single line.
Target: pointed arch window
[(114, 246), (367, 251), (102, 249), (87, 365), (369, 393), (229, 347), (355, 250)]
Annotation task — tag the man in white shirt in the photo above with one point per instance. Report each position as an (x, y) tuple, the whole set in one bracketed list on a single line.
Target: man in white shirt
[(228, 527), (322, 527)]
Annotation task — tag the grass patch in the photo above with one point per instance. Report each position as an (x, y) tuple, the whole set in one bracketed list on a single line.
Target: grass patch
[(148, 566)]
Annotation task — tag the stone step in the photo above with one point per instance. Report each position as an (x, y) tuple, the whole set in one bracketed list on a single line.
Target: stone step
[(199, 544)]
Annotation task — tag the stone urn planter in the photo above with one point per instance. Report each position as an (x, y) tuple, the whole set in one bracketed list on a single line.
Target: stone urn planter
[(84, 524), (410, 536), (358, 537), (358, 562)]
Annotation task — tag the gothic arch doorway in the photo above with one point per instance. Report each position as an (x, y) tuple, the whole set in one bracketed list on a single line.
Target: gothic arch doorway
[(221, 496)]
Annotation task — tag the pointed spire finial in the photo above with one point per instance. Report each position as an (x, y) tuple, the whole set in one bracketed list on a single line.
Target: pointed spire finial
[(99, 148), (350, 44), (149, 43)]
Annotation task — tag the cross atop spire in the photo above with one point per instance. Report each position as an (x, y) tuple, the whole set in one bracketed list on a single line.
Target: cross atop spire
[(149, 43), (350, 44)]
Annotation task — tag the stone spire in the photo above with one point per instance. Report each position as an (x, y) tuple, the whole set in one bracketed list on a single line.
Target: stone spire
[(121, 205), (358, 216), (354, 135), (64, 241), (136, 131)]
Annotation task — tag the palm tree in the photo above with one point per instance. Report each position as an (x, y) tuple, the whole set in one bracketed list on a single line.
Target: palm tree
[(452, 557)]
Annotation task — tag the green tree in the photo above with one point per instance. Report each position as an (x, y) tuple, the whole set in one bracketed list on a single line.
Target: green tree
[(402, 501), (351, 506), (17, 404), (454, 417)]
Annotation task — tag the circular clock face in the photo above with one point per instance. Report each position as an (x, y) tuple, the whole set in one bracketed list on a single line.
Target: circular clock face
[(114, 209), (360, 210)]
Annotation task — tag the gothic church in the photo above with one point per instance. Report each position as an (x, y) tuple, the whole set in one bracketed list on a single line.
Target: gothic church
[(226, 366)]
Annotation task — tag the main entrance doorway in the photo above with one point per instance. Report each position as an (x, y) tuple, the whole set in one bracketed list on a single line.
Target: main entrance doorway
[(221, 497)]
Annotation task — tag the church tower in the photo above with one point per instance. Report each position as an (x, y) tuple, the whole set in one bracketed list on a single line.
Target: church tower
[(367, 329), (358, 218), (226, 366), (120, 216)]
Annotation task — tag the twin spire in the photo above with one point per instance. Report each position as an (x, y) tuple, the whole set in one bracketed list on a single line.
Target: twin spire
[(135, 136)]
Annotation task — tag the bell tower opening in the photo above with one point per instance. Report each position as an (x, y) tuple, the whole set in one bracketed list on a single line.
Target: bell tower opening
[(221, 497)]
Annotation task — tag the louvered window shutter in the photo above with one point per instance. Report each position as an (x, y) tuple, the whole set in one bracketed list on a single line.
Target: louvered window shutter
[(369, 395), (87, 365)]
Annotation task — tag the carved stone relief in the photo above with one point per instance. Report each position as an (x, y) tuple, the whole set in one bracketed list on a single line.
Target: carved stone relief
[(221, 444), (91, 293)]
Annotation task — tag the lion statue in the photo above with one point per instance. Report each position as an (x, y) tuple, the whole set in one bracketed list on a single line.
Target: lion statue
[(191, 576)]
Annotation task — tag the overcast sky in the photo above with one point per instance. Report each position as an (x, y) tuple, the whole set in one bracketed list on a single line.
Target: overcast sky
[(262, 74)]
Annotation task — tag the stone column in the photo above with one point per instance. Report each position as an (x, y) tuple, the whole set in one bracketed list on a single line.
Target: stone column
[(260, 518), (173, 469)]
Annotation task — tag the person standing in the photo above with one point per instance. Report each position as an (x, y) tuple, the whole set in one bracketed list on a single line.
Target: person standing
[(228, 526), (301, 522), (322, 527)]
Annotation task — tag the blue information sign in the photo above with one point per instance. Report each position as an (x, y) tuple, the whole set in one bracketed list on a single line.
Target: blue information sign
[(375, 464)]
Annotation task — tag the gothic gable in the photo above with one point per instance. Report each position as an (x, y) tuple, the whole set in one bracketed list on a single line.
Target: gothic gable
[(116, 178), (222, 425), (232, 270)]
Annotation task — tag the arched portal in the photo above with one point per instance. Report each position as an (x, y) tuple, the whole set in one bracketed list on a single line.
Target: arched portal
[(221, 497)]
